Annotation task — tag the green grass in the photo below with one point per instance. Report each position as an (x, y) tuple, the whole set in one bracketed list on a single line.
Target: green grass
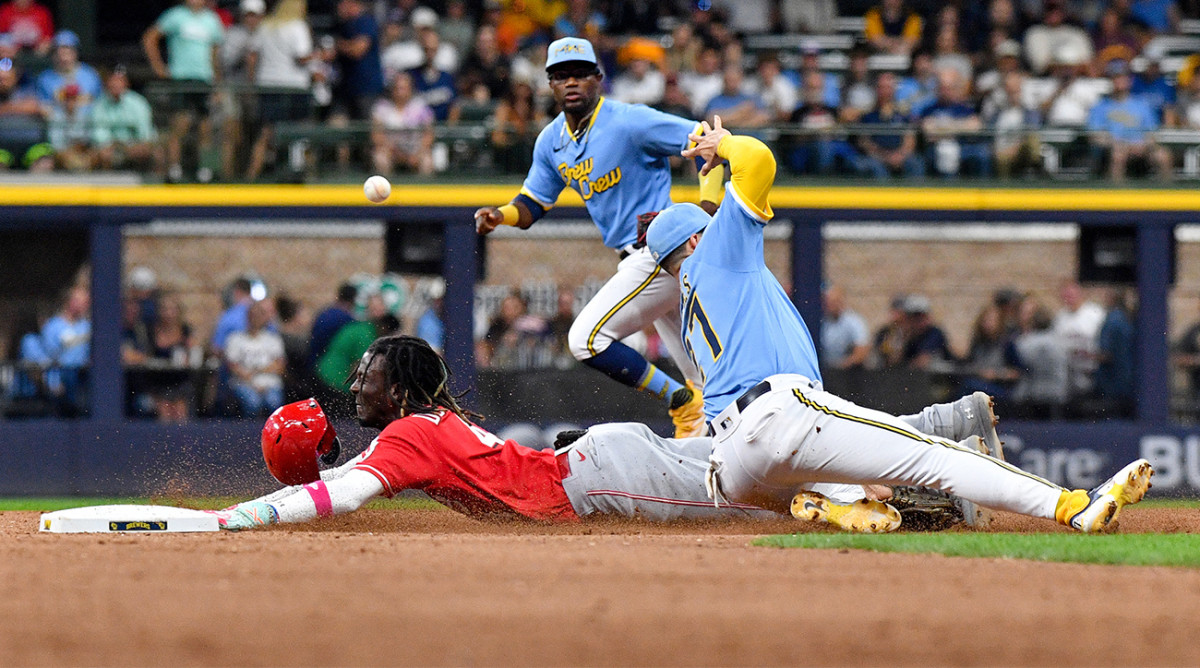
[(1126, 549)]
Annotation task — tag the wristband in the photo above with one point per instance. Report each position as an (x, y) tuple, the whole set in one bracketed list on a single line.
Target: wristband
[(712, 185), (511, 215), (320, 497)]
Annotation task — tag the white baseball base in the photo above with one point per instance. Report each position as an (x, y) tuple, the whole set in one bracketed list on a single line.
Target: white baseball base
[(122, 518)]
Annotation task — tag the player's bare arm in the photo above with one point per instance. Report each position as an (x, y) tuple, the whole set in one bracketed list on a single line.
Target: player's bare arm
[(516, 213)]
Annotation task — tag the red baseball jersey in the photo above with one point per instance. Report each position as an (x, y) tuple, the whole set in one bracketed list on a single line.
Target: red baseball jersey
[(468, 469)]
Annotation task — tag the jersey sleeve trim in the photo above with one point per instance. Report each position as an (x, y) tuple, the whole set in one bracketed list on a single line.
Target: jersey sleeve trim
[(539, 200), (762, 217), (387, 485)]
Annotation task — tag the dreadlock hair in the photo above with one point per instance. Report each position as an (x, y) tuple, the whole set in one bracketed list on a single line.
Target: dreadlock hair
[(420, 372)]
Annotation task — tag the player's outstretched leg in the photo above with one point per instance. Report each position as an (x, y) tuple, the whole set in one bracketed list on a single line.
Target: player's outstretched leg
[(861, 516), (972, 415), (1097, 510)]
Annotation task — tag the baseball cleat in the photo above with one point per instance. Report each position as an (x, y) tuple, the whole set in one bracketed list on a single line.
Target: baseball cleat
[(1096, 510), (861, 516), (976, 416), (687, 411), (975, 515)]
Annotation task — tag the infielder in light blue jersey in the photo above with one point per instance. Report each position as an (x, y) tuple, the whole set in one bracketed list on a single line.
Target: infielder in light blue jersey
[(776, 431), (616, 156)]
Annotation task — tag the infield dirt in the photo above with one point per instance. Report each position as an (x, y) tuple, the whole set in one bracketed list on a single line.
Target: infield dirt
[(429, 587)]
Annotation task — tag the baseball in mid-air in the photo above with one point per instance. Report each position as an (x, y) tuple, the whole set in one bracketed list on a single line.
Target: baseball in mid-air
[(377, 189)]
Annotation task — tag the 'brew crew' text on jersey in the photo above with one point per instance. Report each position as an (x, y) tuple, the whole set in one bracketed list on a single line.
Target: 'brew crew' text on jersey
[(619, 166), (468, 469), (739, 326)]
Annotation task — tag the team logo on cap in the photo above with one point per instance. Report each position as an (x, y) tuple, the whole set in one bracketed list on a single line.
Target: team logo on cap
[(570, 48)]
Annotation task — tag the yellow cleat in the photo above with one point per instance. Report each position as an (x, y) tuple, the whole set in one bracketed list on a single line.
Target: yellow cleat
[(687, 412), (1096, 510), (862, 516)]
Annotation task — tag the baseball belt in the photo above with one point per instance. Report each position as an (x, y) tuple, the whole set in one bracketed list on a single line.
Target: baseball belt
[(727, 418)]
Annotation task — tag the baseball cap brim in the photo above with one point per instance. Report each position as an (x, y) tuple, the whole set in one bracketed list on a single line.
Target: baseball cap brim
[(674, 226)]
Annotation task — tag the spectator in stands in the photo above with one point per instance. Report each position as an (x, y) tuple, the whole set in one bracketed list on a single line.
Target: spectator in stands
[(748, 17), (29, 390), (580, 21), (414, 52), (925, 344), (348, 345), (1045, 39), (990, 83), (295, 321), (893, 151), (1124, 125), (950, 125), (1186, 355), (22, 131), (1113, 40), (1043, 386), (815, 152), (67, 341), (685, 48), (845, 340), (560, 324), (1073, 93), (810, 67), (456, 28), (233, 319), (1114, 381), (888, 345), (135, 349), (736, 107), (1077, 324), (1009, 301), (639, 83), (675, 98), (193, 34), (1016, 142), (515, 339), (434, 85), (776, 91), (515, 129), (948, 52), (329, 320), (171, 345), (891, 27), (123, 132), (1188, 103), (486, 67), (1160, 16), (358, 61), (704, 80), (142, 287), (918, 91), (29, 23), (235, 45), (815, 17), (68, 71), (429, 325), (1155, 88), (1004, 21), (232, 108), (68, 128), (858, 89), (278, 58), (325, 76), (992, 364), (402, 130), (256, 362)]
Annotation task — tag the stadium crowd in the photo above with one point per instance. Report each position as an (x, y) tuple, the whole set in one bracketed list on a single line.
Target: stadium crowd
[(898, 88)]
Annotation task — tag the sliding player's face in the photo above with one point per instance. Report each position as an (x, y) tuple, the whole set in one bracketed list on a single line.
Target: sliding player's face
[(576, 86), (373, 405)]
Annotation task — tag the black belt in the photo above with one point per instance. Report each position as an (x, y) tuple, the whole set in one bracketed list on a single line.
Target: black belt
[(751, 394), (630, 249)]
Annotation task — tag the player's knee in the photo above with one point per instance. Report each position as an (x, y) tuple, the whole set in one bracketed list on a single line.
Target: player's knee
[(582, 343)]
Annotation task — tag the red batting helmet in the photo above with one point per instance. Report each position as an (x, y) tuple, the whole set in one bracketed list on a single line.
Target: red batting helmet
[(294, 437)]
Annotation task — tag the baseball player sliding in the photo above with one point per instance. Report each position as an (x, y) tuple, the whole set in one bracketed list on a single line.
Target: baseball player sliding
[(428, 442), (616, 156), (776, 430)]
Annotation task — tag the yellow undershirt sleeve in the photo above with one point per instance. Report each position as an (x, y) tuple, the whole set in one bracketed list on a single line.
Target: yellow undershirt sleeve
[(712, 185), (752, 171)]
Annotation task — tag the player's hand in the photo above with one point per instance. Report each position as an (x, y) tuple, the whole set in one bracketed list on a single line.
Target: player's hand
[(706, 144), (487, 219), (246, 516)]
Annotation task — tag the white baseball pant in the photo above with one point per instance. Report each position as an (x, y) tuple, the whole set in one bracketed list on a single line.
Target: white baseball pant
[(797, 434), (640, 293)]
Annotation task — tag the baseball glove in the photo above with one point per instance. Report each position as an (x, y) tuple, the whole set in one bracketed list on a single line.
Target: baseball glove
[(644, 221), (924, 509)]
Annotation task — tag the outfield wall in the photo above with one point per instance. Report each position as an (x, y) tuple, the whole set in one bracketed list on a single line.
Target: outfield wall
[(107, 454)]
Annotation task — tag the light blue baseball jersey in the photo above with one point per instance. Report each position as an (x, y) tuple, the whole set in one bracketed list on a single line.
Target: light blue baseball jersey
[(739, 326), (620, 168)]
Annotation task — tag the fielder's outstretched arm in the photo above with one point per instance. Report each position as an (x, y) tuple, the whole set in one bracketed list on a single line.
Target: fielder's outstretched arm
[(751, 163)]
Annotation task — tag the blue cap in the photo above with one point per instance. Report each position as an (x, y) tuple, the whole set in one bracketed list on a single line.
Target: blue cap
[(672, 227), (570, 49), (66, 38)]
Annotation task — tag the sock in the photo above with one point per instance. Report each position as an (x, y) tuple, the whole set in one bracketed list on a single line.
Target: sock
[(624, 365), (1070, 502)]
